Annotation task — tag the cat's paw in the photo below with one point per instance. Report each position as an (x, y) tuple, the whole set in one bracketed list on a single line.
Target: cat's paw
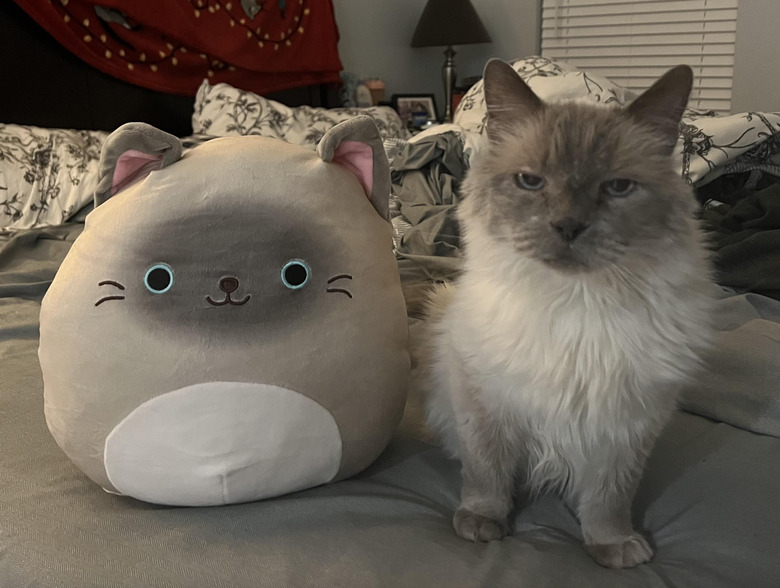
[(633, 551), (475, 527)]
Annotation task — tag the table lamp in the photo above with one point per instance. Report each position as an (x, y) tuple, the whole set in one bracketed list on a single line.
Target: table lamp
[(448, 23)]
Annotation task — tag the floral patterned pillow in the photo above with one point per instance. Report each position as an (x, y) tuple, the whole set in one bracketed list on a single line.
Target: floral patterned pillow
[(222, 111), (709, 144), (550, 80), (46, 175)]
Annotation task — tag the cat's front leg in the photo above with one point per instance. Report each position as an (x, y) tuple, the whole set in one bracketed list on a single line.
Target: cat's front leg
[(488, 470), (603, 503), (486, 494), (609, 537)]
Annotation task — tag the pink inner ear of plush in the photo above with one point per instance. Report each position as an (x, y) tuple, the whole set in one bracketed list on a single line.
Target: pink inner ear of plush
[(133, 165), (358, 158)]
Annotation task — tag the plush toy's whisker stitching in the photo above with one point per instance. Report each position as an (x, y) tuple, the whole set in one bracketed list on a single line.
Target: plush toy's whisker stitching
[(341, 290), (111, 283), (338, 277), (102, 300)]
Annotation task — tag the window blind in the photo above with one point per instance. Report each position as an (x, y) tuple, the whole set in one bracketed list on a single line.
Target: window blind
[(634, 42)]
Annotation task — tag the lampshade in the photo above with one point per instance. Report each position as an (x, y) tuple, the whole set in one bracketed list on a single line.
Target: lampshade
[(449, 22)]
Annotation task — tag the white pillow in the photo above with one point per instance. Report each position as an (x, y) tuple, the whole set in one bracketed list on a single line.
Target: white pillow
[(222, 111), (46, 175), (551, 81), (709, 145)]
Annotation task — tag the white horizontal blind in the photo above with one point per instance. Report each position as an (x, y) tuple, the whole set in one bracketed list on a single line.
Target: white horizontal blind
[(633, 43)]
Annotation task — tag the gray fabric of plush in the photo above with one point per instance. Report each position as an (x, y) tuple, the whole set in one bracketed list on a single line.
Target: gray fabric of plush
[(708, 500), (283, 386)]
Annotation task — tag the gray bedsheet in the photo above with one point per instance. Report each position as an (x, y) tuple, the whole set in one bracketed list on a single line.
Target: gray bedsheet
[(708, 500)]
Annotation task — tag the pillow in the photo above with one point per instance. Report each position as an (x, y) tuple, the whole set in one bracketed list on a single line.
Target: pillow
[(550, 80), (46, 175), (709, 145), (224, 111), (230, 324)]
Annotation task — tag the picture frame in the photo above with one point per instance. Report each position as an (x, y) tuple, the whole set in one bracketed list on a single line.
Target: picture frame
[(415, 110)]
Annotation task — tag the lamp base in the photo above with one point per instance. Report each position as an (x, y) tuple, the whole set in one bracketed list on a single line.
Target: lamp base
[(449, 75)]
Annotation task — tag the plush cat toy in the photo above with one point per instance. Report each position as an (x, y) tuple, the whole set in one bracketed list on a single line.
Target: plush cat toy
[(230, 325)]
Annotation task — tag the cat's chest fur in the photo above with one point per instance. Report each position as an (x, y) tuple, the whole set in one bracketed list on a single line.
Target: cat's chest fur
[(544, 345)]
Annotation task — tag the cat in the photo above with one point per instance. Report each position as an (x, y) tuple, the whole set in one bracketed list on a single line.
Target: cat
[(582, 308)]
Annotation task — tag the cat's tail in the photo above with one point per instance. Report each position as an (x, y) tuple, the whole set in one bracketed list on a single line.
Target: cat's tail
[(426, 305), (437, 300), (424, 298), (426, 308)]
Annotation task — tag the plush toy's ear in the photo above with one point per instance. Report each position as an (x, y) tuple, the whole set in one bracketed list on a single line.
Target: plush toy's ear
[(356, 145), (130, 154)]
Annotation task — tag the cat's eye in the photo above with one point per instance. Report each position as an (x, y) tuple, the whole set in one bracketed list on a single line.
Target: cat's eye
[(159, 278), (296, 274), (530, 181), (619, 187)]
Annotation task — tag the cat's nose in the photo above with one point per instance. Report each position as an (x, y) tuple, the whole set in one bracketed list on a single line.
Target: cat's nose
[(228, 285), (569, 228)]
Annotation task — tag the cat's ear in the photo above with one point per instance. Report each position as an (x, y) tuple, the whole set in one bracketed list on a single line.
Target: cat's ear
[(663, 103), (507, 97), (355, 144), (130, 154)]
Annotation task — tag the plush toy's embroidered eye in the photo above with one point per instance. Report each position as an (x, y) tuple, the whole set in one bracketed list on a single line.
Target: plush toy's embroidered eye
[(530, 181), (295, 274), (619, 187), (159, 278)]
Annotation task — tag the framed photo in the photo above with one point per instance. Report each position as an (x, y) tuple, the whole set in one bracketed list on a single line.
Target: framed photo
[(415, 110)]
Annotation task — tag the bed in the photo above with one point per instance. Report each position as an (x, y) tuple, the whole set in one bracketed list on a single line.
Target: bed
[(708, 498)]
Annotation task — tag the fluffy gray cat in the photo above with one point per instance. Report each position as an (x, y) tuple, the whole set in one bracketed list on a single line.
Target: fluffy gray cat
[(583, 306)]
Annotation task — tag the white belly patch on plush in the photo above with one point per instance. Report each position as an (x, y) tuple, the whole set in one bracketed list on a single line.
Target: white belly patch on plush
[(221, 443)]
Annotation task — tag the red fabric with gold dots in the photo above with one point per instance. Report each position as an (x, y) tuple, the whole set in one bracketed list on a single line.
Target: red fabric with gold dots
[(172, 45)]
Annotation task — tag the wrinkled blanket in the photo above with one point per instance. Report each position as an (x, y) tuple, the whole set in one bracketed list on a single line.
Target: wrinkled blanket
[(744, 225), (426, 178)]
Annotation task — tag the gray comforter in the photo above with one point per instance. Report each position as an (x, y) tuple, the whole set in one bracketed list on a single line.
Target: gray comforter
[(708, 500)]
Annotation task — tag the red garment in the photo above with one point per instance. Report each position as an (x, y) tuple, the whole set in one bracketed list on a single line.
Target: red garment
[(172, 45)]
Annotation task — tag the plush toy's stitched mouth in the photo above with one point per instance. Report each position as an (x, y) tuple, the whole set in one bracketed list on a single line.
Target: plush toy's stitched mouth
[(228, 285), (228, 300)]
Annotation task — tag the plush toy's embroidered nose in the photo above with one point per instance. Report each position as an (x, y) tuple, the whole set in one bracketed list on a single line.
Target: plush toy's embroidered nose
[(228, 285)]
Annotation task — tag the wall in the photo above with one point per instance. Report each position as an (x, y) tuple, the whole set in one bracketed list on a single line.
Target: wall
[(757, 59), (375, 38)]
